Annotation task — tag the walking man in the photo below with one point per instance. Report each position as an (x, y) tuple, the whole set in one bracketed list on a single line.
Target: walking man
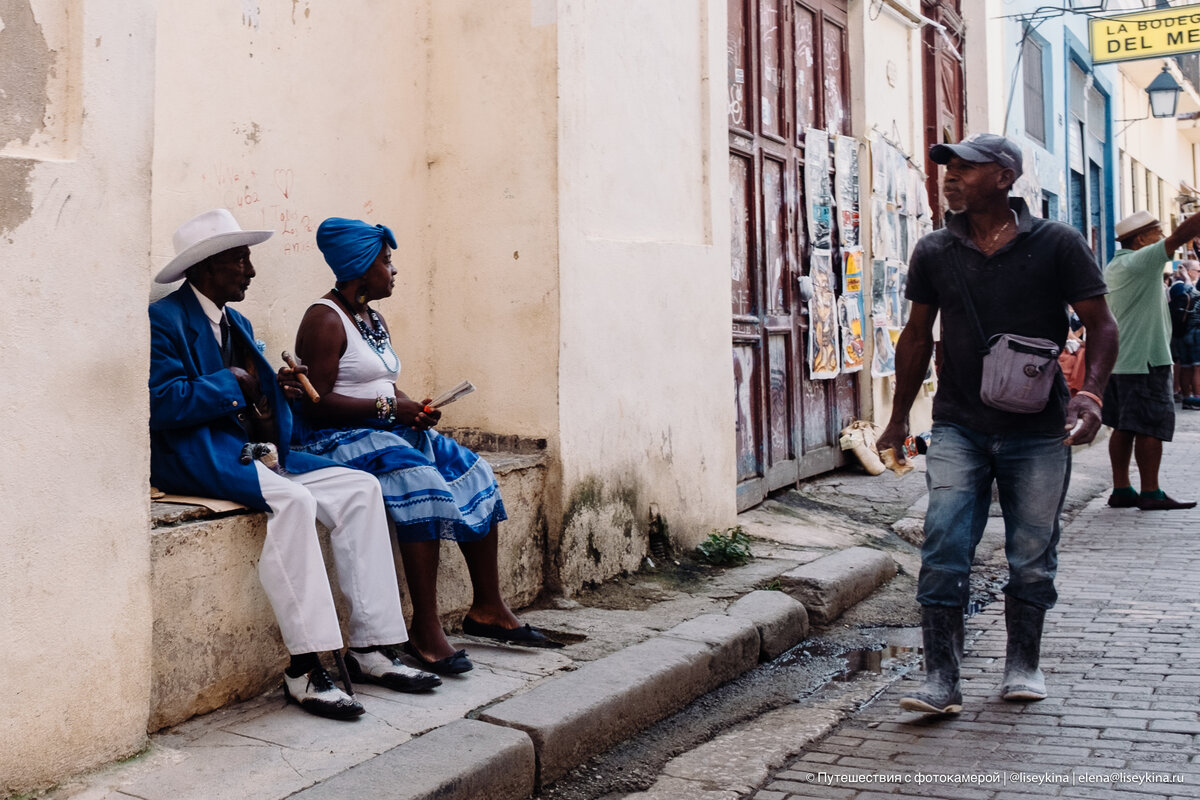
[(1018, 273), (215, 406), (1139, 405)]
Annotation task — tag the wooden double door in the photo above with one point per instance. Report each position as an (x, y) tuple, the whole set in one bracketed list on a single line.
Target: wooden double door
[(788, 72)]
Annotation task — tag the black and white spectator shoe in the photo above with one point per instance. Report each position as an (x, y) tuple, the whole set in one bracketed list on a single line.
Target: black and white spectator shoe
[(384, 667), (317, 694)]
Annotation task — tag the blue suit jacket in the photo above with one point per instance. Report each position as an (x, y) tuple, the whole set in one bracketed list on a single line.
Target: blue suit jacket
[(195, 438)]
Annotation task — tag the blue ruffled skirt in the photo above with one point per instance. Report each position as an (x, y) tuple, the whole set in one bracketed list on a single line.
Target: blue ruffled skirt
[(433, 487)]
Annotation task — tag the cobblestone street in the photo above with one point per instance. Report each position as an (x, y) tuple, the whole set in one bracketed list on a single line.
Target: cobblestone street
[(1122, 658)]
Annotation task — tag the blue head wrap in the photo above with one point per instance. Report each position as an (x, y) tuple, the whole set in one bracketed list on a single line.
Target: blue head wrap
[(350, 246)]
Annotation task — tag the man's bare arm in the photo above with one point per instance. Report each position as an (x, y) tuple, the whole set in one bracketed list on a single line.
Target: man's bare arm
[(913, 351)]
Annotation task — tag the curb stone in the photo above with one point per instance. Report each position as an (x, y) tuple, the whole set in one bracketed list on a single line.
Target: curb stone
[(488, 761), (830, 585), (782, 621), (585, 712)]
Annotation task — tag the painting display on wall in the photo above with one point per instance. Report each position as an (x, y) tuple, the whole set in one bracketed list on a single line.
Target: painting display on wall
[(817, 190), (846, 195), (823, 359)]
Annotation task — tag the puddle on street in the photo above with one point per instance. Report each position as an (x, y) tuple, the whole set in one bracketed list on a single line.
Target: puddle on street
[(880, 650)]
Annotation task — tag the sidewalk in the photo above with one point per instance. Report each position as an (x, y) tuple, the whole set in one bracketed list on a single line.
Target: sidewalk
[(639, 649), (1123, 667)]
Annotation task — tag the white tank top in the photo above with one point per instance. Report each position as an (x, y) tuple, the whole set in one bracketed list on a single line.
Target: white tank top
[(361, 371)]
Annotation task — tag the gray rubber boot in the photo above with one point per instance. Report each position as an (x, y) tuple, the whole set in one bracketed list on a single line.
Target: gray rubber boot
[(1023, 678), (943, 630)]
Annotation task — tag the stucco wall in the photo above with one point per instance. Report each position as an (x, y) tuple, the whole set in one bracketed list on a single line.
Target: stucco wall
[(489, 260), (645, 375), (74, 235), (287, 113)]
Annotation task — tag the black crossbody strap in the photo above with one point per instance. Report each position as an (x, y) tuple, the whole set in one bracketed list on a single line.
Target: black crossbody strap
[(960, 278)]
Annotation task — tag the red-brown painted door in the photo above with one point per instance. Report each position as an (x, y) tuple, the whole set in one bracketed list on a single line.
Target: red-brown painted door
[(787, 72), (942, 70)]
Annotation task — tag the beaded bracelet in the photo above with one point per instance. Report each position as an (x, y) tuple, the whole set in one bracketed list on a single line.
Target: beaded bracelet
[(385, 408)]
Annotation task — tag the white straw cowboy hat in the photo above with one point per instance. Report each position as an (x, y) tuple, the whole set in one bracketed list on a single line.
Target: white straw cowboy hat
[(206, 235), (1134, 223)]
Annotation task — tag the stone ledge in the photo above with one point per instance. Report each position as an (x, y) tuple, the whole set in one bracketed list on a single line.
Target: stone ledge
[(215, 640)]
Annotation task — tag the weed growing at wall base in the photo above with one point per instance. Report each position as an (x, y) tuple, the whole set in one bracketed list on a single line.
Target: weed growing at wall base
[(730, 547)]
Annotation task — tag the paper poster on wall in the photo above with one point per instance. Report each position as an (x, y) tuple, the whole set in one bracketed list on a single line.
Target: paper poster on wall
[(852, 270), (879, 228), (850, 318), (897, 274), (883, 361), (845, 163), (818, 192), (822, 318), (899, 166), (878, 288), (879, 168)]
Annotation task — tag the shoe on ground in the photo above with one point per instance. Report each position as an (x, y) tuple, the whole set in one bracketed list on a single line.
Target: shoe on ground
[(1023, 680), (526, 635), (1123, 498), (454, 664), (942, 633), (382, 666), (1159, 501), (316, 693), (1191, 404)]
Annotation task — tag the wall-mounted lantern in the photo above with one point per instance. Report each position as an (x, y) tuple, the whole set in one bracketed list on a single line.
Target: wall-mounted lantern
[(1164, 94)]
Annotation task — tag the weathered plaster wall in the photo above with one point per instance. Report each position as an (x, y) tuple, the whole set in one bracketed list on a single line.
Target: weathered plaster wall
[(74, 234), (287, 113), (489, 260), (886, 98), (645, 377)]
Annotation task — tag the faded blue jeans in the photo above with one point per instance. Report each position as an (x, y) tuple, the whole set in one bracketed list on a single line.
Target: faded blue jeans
[(1031, 471)]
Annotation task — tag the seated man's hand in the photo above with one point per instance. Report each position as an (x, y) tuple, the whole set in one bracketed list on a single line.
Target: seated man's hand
[(249, 386), (286, 377)]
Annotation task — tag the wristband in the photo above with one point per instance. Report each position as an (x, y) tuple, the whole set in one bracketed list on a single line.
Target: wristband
[(1092, 397)]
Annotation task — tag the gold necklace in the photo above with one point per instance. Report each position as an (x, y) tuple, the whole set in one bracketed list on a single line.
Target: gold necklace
[(991, 244)]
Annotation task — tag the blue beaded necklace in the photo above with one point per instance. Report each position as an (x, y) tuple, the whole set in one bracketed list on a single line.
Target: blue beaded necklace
[(378, 340)]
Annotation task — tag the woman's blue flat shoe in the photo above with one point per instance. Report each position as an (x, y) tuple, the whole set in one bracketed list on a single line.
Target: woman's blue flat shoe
[(454, 664), (526, 635)]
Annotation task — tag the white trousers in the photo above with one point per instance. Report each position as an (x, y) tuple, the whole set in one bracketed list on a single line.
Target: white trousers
[(349, 503)]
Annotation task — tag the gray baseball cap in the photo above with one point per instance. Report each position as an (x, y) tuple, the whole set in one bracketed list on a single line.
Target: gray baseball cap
[(981, 147)]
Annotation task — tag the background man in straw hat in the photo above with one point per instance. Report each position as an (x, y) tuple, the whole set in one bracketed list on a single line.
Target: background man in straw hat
[(211, 394), (1138, 404), (1018, 273)]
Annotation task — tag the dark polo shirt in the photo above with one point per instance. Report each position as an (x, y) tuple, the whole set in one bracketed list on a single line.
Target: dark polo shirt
[(1023, 288)]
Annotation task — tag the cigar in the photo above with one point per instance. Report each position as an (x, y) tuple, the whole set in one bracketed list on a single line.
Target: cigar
[(300, 376)]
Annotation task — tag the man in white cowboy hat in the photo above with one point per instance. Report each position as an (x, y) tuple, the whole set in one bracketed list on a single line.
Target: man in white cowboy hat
[(212, 397), (1138, 403)]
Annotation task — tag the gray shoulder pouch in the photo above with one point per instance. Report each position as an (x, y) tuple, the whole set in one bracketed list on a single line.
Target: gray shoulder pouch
[(1018, 371)]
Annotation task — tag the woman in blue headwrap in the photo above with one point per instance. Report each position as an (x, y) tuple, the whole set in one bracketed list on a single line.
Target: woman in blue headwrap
[(433, 487)]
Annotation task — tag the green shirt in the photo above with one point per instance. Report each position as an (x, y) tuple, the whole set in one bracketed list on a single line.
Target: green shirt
[(1138, 301)]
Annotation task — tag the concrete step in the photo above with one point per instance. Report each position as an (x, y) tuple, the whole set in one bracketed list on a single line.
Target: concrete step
[(215, 640)]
